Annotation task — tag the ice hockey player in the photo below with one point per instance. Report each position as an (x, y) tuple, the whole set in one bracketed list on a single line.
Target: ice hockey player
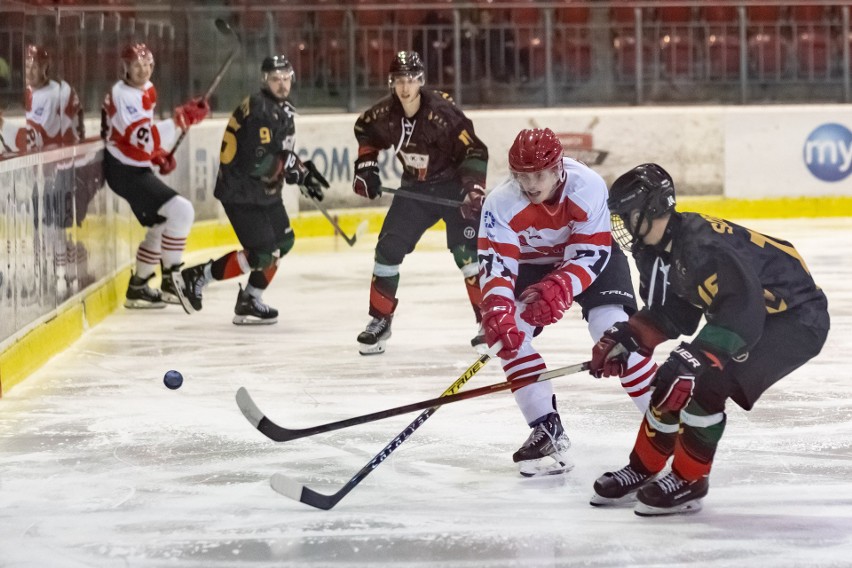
[(257, 157), (53, 110), (764, 314), (135, 143), (544, 244), (441, 157)]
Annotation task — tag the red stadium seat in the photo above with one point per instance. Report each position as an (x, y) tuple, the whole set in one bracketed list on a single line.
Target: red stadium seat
[(808, 14), (569, 15), (572, 54), (813, 52), (678, 54), (768, 55), (723, 55), (625, 46), (375, 54), (763, 14), (719, 14), (674, 14)]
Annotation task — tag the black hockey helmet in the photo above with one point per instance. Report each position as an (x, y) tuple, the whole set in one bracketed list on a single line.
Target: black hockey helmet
[(406, 64), (277, 63), (636, 198)]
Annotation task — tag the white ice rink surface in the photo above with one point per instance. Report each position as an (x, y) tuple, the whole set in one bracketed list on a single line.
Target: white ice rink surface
[(101, 465)]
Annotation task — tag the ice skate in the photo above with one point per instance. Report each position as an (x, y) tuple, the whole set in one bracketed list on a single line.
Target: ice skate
[(478, 341), (545, 451), (372, 340), (168, 291), (189, 284), (619, 487), (140, 296), (252, 311), (671, 495)]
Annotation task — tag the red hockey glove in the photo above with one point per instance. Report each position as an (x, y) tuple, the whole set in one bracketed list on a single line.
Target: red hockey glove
[(164, 161), (472, 204), (675, 379), (610, 353), (498, 321), (367, 182), (191, 112), (547, 300)]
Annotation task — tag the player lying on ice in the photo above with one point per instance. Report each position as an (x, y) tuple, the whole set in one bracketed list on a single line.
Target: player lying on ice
[(764, 314), (545, 243)]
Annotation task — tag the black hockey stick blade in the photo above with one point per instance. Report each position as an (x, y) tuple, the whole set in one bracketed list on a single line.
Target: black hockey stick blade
[(422, 197), (295, 490), (280, 434)]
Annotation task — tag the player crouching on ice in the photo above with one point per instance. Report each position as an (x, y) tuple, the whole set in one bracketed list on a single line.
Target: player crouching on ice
[(765, 318), (256, 159), (545, 243)]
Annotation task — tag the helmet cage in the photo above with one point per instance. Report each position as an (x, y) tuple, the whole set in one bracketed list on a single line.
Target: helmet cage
[(636, 199)]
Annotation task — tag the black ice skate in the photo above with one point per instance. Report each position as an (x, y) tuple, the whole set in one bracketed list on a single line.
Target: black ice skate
[(168, 291), (619, 487), (546, 450), (252, 311), (478, 341), (140, 296), (671, 495), (189, 284), (372, 340)]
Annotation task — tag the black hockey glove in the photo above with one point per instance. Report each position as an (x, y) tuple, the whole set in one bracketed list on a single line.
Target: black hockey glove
[(367, 182), (314, 183), (675, 379)]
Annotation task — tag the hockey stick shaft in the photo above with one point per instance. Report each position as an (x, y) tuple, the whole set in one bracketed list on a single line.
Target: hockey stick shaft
[(223, 27), (304, 494), (422, 197), (280, 434), (349, 240)]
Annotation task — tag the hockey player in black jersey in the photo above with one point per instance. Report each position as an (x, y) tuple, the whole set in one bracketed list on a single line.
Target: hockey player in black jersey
[(441, 156), (765, 317), (256, 159)]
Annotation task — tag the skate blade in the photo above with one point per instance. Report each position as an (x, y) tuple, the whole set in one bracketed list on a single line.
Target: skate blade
[(171, 299), (545, 466), (627, 500), (376, 349), (177, 281), (251, 320), (143, 305), (643, 510)]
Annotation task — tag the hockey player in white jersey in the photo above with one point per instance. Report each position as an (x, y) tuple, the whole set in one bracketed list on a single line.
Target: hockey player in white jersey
[(134, 143), (545, 243), (53, 110)]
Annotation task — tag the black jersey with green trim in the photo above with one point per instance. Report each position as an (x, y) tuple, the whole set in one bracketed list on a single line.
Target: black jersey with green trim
[(260, 126), (734, 276), (436, 145)]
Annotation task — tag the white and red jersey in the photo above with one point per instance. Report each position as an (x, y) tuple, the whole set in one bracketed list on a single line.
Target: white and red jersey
[(53, 117), (128, 126), (572, 234)]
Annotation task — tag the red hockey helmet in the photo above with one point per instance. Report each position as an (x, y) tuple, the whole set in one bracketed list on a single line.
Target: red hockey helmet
[(535, 150), (37, 54), (135, 51)]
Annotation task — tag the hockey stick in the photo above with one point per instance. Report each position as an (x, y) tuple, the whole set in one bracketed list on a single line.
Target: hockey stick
[(280, 434), (359, 231), (421, 197), (226, 29), (295, 490)]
